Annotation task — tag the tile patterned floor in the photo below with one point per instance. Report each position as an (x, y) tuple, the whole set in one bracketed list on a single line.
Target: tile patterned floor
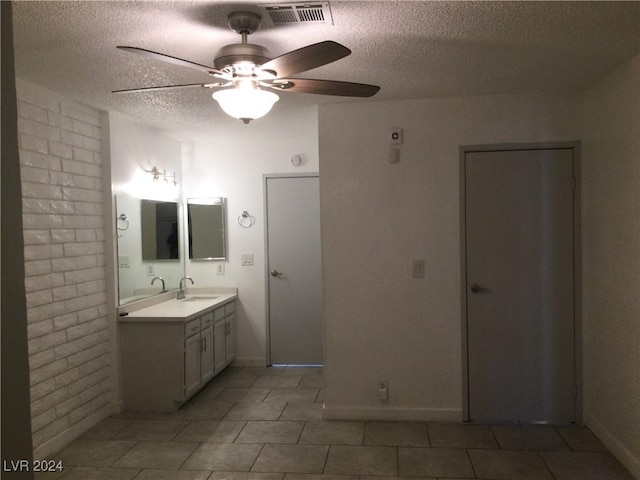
[(265, 424)]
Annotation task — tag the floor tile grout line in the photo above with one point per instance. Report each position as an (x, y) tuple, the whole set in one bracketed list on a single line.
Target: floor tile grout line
[(473, 468), (493, 434), (546, 465), (397, 460), (304, 425), (555, 429), (189, 456), (245, 423), (134, 477), (187, 423), (135, 442), (326, 459), (256, 459)]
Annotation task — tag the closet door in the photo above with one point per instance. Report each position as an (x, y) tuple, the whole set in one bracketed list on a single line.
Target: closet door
[(520, 285)]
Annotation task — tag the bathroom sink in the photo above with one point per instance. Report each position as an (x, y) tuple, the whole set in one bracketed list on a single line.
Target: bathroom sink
[(200, 298)]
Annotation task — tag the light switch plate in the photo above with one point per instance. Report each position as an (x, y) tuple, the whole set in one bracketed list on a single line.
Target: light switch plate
[(247, 259), (418, 268)]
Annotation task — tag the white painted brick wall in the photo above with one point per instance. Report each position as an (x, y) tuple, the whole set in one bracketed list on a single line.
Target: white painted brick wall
[(62, 185)]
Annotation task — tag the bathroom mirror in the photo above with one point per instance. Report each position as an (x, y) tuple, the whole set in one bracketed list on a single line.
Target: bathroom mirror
[(206, 220), (135, 274), (160, 232)]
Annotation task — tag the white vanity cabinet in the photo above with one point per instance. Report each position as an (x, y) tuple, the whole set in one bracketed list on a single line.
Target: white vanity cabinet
[(225, 335), (232, 331), (165, 361), (191, 364), (206, 348), (198, 353)]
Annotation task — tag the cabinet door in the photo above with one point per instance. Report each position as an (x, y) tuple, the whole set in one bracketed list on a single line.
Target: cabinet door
[(206, 354), (219, 346), (191, 365), (232, 337)]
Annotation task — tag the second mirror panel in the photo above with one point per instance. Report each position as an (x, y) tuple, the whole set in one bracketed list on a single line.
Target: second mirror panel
[(206, 219)]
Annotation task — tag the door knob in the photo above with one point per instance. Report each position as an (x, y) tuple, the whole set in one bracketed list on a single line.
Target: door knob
[(276, 273), (475, 288)]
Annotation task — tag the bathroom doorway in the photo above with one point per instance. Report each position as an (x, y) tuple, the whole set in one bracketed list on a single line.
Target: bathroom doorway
[(294, 279)]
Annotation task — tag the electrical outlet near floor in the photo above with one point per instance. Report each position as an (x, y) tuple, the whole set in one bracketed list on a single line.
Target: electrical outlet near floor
[(383, 390)]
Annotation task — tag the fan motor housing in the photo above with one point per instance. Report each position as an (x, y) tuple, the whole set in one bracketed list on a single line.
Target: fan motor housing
[(230, 55)]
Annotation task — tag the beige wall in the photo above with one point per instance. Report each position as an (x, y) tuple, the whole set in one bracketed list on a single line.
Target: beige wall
[(611, 261), (380, 323)]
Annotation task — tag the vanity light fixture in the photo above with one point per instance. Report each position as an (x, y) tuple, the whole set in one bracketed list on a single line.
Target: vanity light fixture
[(157, 175)]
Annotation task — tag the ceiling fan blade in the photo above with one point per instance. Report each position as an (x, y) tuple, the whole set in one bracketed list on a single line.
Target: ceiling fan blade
[(165, 87), (169, 59), (324, 87), (306, 58)]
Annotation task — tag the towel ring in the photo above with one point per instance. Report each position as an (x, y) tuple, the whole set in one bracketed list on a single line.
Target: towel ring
[(246, 220), (121, 218)]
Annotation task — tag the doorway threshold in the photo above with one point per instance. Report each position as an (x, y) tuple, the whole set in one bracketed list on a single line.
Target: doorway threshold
[(297, 365)]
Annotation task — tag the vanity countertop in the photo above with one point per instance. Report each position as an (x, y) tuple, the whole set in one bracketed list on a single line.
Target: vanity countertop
[(171, 309)]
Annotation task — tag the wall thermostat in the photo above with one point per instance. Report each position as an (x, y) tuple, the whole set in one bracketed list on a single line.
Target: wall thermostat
[(296, 160), (395, 135)]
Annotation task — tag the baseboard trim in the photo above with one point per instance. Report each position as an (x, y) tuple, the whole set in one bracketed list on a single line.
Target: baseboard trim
[(392, 413), (630, 460), (249, 362), (57, 443)]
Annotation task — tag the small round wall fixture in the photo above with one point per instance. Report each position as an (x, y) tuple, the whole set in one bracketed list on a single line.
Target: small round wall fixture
[(296, 160)]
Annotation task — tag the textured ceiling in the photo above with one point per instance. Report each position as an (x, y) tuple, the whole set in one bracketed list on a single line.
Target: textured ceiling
[(412, 49)]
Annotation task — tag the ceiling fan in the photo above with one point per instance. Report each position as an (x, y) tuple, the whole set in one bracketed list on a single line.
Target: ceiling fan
[(246, 77)]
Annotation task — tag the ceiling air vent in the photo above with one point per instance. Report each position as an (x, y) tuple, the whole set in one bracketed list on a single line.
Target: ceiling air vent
[(290, 13)]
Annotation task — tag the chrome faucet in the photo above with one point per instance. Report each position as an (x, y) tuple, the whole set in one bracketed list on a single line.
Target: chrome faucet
[(181, 291), (162, 280)]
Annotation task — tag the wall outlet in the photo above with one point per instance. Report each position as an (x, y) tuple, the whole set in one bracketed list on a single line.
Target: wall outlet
[(151, 271), (220, 268), (383, 390)]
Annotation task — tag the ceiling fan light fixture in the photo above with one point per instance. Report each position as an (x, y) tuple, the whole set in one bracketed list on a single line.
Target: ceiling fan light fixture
[(245, 104)]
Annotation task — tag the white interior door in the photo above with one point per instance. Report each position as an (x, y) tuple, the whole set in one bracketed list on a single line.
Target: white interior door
[(520, 285), (294, 270)]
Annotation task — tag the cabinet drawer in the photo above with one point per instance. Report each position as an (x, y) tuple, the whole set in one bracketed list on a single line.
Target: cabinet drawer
[(206, 320), (229, 308), (192, 327), (218, 314)]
